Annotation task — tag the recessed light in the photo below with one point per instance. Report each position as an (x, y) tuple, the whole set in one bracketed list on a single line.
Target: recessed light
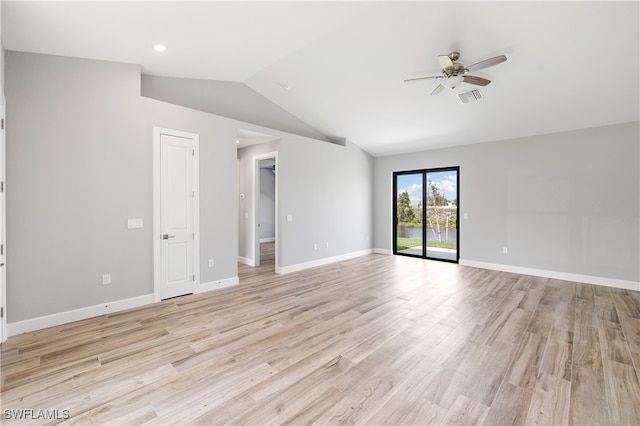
[(159, 47), (237, 141)]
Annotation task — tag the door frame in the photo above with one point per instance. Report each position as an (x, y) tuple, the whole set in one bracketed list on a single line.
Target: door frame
[(255, 228), (424, 172), (3, 223), (157, 231)]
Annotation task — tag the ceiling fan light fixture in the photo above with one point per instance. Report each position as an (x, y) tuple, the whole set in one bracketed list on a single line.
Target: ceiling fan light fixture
[(452, 82), (159, 47)]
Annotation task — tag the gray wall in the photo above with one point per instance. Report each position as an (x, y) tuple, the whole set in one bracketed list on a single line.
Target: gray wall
[(566, 202), (325, 187), (79, 150), (328, 191)]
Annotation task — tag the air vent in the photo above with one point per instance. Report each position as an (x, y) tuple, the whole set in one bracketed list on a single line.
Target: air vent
[(472, 96)]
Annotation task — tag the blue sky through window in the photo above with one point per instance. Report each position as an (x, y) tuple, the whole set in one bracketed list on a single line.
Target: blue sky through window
[(447, 182)]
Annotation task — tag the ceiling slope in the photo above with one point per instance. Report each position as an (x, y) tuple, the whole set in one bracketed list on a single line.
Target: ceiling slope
[(227, 99)]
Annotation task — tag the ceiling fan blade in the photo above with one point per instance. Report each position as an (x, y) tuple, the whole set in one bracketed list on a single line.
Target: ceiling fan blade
[(487, 63), (445, 61), (437, 90), (423, 78), (478, 81)]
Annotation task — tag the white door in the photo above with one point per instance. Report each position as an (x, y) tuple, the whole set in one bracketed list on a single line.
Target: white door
[(178, 207)]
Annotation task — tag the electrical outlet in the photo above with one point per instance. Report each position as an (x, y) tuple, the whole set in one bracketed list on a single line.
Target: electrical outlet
[(327, 244), (210, 263), (505, 250), (315, 247), (106, 279)]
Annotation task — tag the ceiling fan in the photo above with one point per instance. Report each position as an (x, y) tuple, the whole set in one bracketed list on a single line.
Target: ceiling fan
[(455, 73)]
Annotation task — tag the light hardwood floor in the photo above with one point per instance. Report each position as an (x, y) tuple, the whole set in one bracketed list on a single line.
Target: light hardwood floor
[(373, 340)]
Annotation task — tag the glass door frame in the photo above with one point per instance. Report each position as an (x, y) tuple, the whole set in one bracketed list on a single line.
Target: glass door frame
[(424, 173)]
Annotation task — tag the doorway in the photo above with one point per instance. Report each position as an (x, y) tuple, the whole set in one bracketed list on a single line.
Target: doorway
[(176, 207), (265, 207), (425, 213)]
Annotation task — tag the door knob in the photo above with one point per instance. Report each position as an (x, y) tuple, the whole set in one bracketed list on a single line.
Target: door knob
[(167, 236)]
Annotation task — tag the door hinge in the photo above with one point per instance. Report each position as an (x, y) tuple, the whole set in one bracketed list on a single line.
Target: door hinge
[(2, 312), (1, 249), (194, 278), (2, 186), (2, 124), (194, 235), (193, 152)]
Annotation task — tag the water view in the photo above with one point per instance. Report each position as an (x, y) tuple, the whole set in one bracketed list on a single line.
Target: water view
[(416, 232)]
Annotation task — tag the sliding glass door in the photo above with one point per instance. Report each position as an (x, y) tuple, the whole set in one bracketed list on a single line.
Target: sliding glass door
[(426, 213), (409, 230)]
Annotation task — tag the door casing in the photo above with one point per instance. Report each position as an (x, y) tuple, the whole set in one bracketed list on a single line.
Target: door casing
[(3, 228), (157, 229)]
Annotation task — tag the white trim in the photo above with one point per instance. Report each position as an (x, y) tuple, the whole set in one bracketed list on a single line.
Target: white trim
[(157, 252), (321, 262), (218, 284), (566, 276), (196, 210), (255, 205), (267, 240), (46, 321), (3, 223), (246, 261)]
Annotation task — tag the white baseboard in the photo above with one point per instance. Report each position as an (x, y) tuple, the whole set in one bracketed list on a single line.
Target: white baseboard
[(268, 240), (320, 262), (52, 320), (246, 261), (46, 321), (382, 251), (218, 284), (566, 276)]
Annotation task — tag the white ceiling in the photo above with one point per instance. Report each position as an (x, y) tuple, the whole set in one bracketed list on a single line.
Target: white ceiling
[(570, 64)]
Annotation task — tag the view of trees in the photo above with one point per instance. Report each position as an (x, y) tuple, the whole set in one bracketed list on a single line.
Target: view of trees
[(441, 213), (438, 212), (407, 213), (434, 197)]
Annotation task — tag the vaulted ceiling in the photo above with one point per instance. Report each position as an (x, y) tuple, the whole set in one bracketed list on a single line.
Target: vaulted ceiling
[(339, 66)]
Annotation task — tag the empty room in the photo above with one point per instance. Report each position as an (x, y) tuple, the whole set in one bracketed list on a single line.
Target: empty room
[(377, 213)]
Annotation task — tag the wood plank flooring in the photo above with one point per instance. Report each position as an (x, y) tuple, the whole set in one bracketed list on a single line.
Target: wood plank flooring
[(373, 340)]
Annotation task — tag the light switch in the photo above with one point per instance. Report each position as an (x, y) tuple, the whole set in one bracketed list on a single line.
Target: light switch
[(289, 218), (466, 216), (134, 223)]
